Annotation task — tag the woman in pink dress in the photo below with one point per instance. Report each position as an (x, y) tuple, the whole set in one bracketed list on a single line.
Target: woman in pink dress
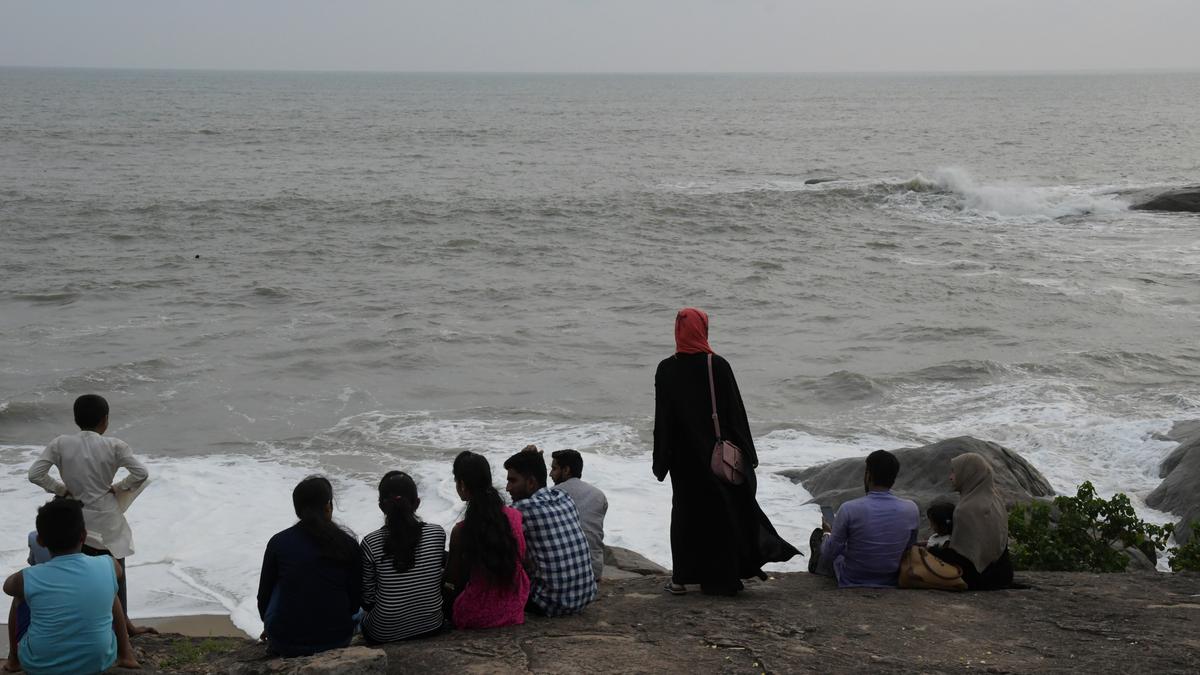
[(485, 579)]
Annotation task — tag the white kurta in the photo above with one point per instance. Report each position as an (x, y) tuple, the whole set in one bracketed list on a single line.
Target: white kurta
[(87, 463)]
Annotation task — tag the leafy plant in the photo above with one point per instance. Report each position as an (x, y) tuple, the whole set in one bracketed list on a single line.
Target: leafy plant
[(1088, 535), (1186, 558)]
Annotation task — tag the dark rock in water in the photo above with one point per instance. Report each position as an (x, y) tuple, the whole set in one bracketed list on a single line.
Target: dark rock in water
[(1183, 433), (1182, 199), (925, 475), (1178, 493), (818, 181)]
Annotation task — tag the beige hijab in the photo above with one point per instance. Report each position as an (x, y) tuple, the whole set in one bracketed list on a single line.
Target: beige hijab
[(981, 519)]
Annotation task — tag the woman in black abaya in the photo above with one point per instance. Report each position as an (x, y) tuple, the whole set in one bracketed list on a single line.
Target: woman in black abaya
[(719, 535)]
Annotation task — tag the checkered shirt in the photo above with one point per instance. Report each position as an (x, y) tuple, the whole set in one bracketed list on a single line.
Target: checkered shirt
[(561, 581)]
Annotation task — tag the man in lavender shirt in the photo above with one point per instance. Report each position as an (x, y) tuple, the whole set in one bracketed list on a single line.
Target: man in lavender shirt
[(869, 535)]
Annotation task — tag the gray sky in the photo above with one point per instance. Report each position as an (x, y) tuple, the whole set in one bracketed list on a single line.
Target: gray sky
[(605, 35)]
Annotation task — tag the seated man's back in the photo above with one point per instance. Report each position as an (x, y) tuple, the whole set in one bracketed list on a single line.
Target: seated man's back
[(870, 536), (562, 581), (592, 506), (70, 601)]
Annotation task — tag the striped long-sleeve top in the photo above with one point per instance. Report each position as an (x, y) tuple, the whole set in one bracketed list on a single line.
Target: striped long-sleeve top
[(402, 604)]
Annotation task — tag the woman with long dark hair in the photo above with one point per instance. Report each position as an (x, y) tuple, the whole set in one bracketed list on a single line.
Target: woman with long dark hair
[(310, 586), (484, 574), (401, 567), (719, 535)]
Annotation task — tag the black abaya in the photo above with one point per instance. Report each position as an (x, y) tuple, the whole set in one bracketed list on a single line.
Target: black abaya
[(718, 532)]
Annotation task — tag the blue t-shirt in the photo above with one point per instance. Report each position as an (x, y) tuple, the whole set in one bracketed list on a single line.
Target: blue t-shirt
[(70, 601)]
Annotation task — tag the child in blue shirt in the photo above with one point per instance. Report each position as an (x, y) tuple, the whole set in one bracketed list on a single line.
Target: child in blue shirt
[(76, 623)]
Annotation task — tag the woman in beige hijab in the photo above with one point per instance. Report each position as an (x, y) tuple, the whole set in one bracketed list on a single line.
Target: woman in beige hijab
[(979, 541)]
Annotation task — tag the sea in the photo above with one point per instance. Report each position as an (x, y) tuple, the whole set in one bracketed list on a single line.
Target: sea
[(277, 274)]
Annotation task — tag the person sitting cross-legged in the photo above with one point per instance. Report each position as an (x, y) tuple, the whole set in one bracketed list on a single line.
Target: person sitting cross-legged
[(869, 535), (76, 622), (561, 577)]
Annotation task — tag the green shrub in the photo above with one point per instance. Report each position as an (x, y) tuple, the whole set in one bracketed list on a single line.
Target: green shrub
[(1083, 536), (1186, 558)]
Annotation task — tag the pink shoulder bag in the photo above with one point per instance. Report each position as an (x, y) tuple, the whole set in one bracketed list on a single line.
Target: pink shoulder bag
[(728, 461)]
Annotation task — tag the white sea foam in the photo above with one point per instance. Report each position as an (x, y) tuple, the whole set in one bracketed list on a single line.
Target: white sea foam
[(1003, 201)]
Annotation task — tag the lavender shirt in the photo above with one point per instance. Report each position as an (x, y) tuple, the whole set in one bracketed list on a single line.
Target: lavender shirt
[(870, 534)]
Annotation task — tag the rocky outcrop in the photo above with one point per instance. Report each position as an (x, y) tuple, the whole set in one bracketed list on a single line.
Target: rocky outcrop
[(1179, 492), (802, 623), (631, 562), (1181, 199), (348, 661), (925, 475)]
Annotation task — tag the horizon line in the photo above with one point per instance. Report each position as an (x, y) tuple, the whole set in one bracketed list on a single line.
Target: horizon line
[(382, 71)]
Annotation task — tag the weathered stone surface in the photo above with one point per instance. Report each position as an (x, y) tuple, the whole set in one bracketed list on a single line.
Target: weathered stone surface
[(925, 475), (801, 623), (630, 561), (1181, 199), (348, 661), (1178, 493)]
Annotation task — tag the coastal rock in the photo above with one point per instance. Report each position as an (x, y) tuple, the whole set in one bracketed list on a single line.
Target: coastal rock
[(1183, 433), (1178, 493), (348, 661), (1138, 560), (803, 623), (1181, 200), (925, 475), (631, 561)]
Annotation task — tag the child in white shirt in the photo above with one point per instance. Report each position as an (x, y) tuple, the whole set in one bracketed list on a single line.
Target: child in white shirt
[(941, 524), (87, 462)]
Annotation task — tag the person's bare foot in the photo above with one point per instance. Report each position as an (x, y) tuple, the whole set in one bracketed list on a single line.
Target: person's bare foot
[(140, 630), (130, 662)]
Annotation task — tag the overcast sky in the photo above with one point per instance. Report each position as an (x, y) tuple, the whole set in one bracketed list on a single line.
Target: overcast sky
[(605, 35)]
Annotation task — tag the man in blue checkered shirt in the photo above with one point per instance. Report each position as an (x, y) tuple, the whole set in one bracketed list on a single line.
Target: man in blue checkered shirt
[(557, 556)]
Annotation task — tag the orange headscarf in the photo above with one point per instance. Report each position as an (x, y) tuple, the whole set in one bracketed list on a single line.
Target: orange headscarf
[(691, 332)]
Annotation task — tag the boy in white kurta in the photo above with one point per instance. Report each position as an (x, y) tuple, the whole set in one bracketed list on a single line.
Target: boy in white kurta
[(88, 463)]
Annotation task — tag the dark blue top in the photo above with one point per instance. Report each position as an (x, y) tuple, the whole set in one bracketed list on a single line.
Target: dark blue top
[(305, 599)]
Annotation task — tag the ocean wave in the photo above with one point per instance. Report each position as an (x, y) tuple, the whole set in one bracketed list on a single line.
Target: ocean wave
[(955, 189), (61, 298), (948, 191), (838, 387), (16, 412), (119, 377)]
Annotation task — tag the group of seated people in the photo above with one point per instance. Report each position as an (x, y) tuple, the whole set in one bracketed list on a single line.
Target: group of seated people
[(544, 555), (866, 543)]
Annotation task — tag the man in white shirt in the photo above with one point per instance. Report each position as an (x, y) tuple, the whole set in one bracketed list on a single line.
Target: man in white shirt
[(566, 466), (87, 462)]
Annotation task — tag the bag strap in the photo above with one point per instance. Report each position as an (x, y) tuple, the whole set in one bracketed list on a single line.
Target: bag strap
[(925, 561), (712, 392)]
